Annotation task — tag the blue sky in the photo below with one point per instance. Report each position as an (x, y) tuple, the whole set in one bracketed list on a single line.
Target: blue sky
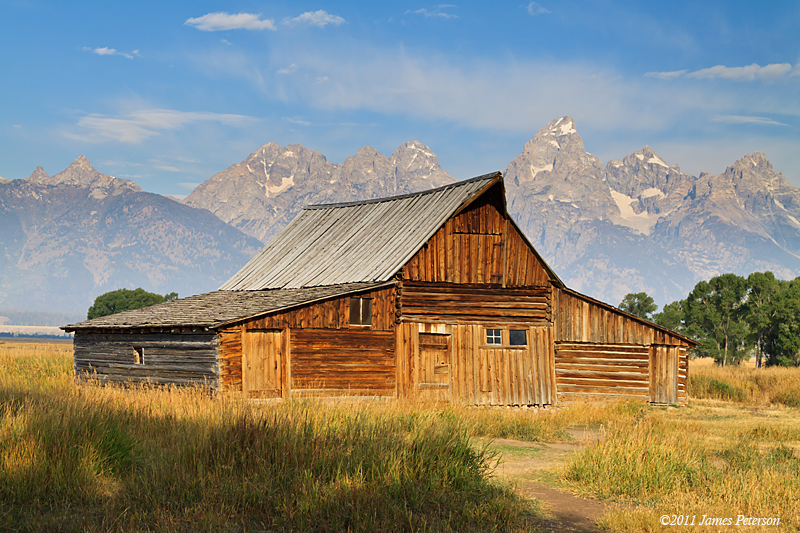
[(169, 93)]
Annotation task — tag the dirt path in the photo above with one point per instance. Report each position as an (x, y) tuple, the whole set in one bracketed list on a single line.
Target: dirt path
[(531, 467)]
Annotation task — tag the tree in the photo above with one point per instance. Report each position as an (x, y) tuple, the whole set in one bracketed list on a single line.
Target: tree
[(125, 300), (639, 304), (672, 316), (781, 337), (715, 317), (762, 288)]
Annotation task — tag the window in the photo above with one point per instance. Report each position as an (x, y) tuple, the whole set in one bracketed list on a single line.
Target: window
[(360, 311), (138, 355), (493, 336), (518, 337)]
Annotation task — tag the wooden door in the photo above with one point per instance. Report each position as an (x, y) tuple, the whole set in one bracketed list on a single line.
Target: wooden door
[(434, 365), (262, 352), (664, 374)]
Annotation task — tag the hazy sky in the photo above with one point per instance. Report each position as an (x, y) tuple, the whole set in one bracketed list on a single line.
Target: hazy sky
[(169, 93)]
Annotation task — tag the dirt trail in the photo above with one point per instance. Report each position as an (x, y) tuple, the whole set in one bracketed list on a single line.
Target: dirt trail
[(530, 466)]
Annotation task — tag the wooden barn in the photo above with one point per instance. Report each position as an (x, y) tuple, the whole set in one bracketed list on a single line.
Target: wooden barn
[(437, 294)]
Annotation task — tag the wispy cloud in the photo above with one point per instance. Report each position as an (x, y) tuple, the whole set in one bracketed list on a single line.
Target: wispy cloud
[(190, 186), (738, 119), (752, 72), (536, 9), (288, 70), (135, 127), (221, 21), (435, 12), (315, 18), (106, 51)]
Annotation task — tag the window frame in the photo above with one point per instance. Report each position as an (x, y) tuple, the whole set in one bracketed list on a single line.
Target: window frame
[(505, 337), (138, 355), (364, 315)]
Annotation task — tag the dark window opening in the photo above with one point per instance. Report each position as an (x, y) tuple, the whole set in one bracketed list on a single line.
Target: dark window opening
[(138, 355), (493, 336), (360, 311), (518, 337)]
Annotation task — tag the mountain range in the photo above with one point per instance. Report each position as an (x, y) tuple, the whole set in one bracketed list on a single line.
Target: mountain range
[(637, 224)]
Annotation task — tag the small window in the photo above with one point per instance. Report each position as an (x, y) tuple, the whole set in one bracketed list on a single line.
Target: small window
[(493, 336), (360, 311), (138, 355), (518, 337)]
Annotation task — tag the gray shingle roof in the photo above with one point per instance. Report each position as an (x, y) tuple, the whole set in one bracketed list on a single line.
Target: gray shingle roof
[(214, 309), (354, 242)]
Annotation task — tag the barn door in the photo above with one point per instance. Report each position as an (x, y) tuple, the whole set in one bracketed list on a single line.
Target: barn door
[(664, 374), (262, 352), (434, 365)]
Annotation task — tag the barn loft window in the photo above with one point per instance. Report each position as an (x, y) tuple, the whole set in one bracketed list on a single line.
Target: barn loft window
[(360, 311), (138, 355), (493, 336), (518, 337)]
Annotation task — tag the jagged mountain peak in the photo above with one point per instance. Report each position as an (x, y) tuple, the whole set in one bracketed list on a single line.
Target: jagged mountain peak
[(38, 175), (81, 173)]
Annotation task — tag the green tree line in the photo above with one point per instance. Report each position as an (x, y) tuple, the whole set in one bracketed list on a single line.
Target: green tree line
[(733, 317)]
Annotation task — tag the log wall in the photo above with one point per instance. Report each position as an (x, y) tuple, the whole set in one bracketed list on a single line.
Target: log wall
[(332, 314), (587, 371), (344, 361), (179, 358), (478, 246), (450, 302)]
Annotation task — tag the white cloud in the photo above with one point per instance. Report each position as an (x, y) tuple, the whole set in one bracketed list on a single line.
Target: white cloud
[(536, 9), (135, 127), (437, 12), (221, 21), (315, 18), (666, 75), (106, 51), (752, 72), (288, 70), (738, 119)]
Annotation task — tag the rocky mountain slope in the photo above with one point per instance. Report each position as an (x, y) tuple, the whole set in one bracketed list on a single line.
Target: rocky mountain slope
[(69, 237), (264, 192), (641, 224), (638, 224)]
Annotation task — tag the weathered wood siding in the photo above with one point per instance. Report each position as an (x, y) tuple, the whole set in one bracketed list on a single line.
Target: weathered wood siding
[(343, 361), (323, 353), (230, 358), (580, 319), (180, 358), (473, 372), (332, 314), (478, 246), (450, 302), (588, 370)]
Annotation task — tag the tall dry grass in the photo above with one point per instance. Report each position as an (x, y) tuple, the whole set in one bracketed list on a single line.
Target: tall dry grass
[(744, 384), (91, 458)]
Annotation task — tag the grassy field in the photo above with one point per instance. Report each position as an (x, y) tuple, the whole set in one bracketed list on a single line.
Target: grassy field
[(91, 458)]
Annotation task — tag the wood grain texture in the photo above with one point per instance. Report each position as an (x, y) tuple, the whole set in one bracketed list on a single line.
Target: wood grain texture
[(333, 314), (588, 370), (343, 359), (182, 359)]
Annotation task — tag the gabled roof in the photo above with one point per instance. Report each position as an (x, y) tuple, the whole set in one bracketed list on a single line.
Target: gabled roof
[(216, 309), (355, 242)]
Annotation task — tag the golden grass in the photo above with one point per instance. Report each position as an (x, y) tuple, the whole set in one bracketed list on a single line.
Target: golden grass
[(744, 384), (83, 457)]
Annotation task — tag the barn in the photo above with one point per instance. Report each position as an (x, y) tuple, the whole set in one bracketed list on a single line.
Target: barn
[(435, 294)]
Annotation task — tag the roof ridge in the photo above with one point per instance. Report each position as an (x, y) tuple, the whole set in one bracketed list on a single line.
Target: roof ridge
[(408, 195)]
